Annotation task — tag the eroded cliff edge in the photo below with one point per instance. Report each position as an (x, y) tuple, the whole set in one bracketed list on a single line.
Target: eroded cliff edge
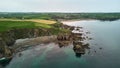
[(8, 38)]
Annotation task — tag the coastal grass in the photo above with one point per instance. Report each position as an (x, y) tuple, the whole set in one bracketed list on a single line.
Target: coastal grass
[(32, 20), (7, 25), (52, 26)]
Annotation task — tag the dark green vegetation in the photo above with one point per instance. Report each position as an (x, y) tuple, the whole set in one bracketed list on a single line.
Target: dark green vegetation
[(25, 15), (84, 16), (63, 16)]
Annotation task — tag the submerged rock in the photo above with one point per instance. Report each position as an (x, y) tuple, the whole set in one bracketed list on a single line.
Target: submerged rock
[(100, 48), (4, 61), (63, 43), (79, 49)]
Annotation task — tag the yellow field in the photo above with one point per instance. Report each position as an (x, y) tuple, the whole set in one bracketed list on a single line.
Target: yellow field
[(33, 20)]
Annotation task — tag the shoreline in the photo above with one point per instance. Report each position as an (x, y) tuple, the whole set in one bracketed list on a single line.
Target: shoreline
[(79, 20), (29, 42), (74, 20)]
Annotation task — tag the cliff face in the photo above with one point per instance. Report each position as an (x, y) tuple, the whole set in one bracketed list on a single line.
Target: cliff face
[(8, 38)]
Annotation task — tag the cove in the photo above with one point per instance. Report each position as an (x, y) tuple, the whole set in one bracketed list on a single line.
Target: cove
[(103, 52)]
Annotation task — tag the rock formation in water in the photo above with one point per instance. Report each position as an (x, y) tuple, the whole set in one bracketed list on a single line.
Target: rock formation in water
[(77, 38)]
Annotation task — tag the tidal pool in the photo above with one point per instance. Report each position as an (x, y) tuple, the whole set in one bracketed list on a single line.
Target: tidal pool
[(104, 49)]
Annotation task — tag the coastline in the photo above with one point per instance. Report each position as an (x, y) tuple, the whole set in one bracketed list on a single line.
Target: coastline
[(79, 20), (66, 22), (75, 20)]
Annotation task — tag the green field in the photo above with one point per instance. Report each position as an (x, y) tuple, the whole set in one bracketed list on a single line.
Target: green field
[(7, 25)]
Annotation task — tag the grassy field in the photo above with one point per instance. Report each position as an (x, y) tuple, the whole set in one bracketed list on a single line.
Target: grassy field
[(7, 24), (32, 20)]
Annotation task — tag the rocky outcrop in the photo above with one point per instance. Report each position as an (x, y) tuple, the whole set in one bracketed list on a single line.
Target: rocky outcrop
[(67, 27), (64, 37), (26, 43), (5, 51), (77, 38)]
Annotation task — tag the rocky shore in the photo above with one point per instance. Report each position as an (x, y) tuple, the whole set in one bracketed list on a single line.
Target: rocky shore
[(8, 38), (75, 38), (10, 43)]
